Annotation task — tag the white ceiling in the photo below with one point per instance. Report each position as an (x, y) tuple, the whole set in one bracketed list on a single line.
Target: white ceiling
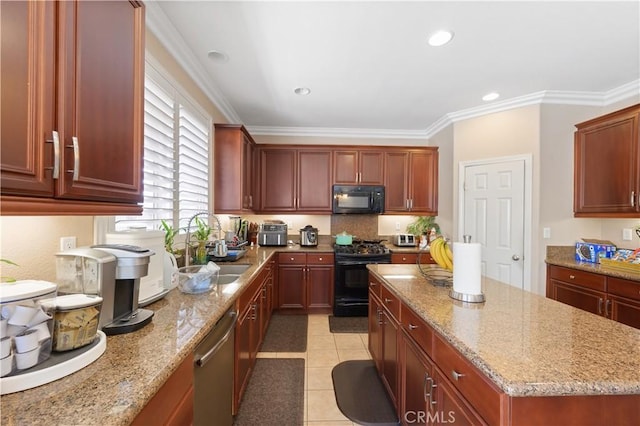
[(371, 71)]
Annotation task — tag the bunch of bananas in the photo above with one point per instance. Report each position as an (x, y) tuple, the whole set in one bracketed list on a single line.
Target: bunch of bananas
[(441, 253)]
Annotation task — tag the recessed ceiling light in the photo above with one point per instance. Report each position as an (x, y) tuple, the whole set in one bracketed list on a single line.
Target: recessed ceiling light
[(440, 38), (217, 56), (302, 91), (491, 96)]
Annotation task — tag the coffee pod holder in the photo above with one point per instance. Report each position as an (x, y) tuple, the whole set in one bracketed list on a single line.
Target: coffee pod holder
[(467, 277)]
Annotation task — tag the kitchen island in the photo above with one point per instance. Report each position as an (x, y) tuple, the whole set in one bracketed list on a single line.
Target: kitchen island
[(529, 348)]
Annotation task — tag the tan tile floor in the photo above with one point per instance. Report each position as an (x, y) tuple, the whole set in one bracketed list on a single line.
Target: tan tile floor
[(324, 351)]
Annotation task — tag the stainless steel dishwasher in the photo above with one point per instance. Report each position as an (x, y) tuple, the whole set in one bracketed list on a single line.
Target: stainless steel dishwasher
[(213, 374)]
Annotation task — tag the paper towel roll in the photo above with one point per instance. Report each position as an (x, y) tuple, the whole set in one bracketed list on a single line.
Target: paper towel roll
[(467, 272)]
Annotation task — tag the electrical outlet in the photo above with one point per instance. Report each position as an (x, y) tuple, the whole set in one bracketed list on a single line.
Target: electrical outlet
[(627, 234), (397, 226), (67, 243)]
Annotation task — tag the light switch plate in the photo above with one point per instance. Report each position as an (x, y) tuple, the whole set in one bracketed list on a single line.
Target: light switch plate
[(546, 233), (627, 234)]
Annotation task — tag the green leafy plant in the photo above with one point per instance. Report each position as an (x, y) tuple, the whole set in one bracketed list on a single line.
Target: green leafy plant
[(422, 225), (202, 231), (169, 236), (8, 279)]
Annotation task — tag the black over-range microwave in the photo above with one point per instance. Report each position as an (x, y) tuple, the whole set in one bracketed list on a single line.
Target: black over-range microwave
[(358, 199)]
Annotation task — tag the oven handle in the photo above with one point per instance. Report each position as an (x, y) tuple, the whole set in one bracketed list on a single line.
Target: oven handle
[(360, 262), (354, 303)]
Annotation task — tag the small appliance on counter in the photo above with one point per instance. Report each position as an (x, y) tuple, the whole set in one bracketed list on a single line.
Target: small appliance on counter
[(273, 233), (309, 236), (404, 240)]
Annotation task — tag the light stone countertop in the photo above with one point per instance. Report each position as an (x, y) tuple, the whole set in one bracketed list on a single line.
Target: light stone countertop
[(565, 256), (114, 389), (526, 344)]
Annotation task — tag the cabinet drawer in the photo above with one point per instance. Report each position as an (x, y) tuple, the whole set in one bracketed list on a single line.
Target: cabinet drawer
[(404, 258), (624, 288), (375, 286), (415, 327), (391, 302), (577, 277), (319, 258), (292, 258), (482, 395)]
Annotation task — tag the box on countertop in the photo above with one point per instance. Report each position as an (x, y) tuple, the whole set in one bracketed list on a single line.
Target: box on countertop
[(592, 250)]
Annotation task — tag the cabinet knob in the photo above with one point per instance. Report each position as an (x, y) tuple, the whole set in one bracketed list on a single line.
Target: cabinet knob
[(320, 258), (456, 375), (412, 327), (372, 283), (292, 258), (387, 300), (404, 258), (573, 277)]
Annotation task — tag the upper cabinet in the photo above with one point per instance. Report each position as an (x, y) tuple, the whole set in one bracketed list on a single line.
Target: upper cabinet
[(72, 107), (411, 181), (359, 167), (295, 180), (234, 151), (607, 165)]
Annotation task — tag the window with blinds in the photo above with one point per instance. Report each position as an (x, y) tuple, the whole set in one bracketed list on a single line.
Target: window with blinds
[(176, 158)]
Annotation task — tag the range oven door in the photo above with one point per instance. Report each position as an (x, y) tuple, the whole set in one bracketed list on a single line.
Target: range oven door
[(352, 287)]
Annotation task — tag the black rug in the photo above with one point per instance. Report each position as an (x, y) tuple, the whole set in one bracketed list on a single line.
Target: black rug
[(360, 394), (286, 333), (348, 324), (274, 395)]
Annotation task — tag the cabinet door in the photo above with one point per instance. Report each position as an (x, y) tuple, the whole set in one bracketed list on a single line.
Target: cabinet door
[(611, 139), (292, 288), (27, 103), (277, 180), (375, 330), (100, 102), (417, 387), (624, 310), (230, 154), (451, 407), (371, 168), (314, 181), (390, 355), (579, 297), (247, 168), (423, 182), (396, 181), (346, 167), (320, 288)]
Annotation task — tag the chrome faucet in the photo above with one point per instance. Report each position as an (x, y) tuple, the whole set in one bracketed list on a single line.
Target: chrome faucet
[(186, 249)]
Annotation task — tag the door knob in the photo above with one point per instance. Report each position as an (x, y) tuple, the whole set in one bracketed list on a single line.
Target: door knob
[(515, 257)]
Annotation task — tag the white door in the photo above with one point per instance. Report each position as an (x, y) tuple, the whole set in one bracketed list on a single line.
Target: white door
[(494, 195)]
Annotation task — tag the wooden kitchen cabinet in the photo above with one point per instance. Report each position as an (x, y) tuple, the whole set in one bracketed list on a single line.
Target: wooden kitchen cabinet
[(305, 282), (612, 139), (173, 403), (234, 168), (411, 258), (358, 167), (74, 70), (614, 298), (295, 180), (411, 181)]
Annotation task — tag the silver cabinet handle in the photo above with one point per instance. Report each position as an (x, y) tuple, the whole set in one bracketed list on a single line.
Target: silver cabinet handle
[(606, 308), (456, 376), (427, 379), (412, 327), (372, 283), (432, 400), (250, 200), (76, 158), (633, 198), (573, 277), (386, 300), (379, 315), (599, 305), (55, 140)]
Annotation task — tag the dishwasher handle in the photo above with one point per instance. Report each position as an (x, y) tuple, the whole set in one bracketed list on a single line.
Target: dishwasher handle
[(200, 362)]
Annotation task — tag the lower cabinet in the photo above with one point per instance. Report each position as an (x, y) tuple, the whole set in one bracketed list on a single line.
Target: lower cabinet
[(254, 313), (305, 282), (173, 403), (614, 298)]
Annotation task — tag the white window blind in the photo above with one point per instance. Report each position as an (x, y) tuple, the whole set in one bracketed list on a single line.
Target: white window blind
[(176, 158)]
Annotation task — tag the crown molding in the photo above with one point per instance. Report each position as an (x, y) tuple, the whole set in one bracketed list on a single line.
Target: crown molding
[(336, 132), (158, 23)]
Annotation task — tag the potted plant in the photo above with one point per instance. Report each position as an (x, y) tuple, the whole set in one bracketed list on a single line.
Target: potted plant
[(202, 233), (422, 225), (169, 243)]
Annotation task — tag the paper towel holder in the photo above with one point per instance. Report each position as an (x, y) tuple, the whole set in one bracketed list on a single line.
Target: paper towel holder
[(464, 297)]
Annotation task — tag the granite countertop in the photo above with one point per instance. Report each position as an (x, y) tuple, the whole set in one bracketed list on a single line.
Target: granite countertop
[(526, 344), (565, 256), (114, 389)]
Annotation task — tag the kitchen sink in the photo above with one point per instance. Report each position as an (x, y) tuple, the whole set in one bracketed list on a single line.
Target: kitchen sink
[(236, 269), (227, 278)]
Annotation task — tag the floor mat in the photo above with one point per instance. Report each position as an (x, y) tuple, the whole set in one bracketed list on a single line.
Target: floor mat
[(360, 394), (274, 395), (348, 324), (286, 333)]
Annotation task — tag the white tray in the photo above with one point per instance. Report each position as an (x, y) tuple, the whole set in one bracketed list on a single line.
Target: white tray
[(59, 365)]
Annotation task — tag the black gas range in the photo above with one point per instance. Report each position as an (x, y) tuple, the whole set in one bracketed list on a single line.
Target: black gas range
[(351, 296)]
